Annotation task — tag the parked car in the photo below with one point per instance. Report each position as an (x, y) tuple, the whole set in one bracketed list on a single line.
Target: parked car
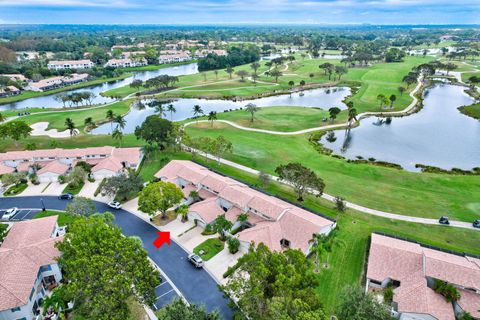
[(10, 213), (443, 220), (115, 205), (195, 260), (65, 196), (476, 223)]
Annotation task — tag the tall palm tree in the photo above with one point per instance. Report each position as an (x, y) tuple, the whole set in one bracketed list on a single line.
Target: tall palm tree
[(70, 126), (172, 110), (212, 116), (319, 249), (352, 115), (88, 122), (197, 111), (110, 116), (255, 66), (158, 106), (117, 135), (120, 121)]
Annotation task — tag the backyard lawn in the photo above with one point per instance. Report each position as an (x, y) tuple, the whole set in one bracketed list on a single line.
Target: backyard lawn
[(64, 219)]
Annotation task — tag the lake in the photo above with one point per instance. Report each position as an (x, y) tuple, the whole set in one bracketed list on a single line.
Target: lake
[(438, 135)]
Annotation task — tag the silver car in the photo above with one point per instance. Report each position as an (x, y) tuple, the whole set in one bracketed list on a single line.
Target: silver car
[(115, 205), (195, 260), (10, 213)]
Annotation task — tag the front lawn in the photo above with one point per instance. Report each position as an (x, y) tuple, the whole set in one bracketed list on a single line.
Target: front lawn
[(64, 219), (210, 248), (16, 189), (158, 220), (73, 189)]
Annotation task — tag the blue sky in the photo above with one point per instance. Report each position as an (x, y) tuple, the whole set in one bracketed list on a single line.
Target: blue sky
[(240, 11)]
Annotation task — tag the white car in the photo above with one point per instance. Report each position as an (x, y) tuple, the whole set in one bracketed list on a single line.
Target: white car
[(195, 260), (10, 213), (115, 205)]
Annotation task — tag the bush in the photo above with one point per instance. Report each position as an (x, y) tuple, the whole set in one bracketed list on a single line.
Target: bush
[(99, 188), (388, 294), (16, 189), (62, 179), (86, 166), (233, 245), (447, 290)]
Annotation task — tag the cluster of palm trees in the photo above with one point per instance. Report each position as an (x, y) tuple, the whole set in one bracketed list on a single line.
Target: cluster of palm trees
[(384, 100), (198, 111), (120, 122), (161, 109)]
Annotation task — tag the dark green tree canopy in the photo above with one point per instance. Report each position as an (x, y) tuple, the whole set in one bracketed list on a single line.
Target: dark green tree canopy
[(155, 130), (301, 178), (178, 310), (103, 268)]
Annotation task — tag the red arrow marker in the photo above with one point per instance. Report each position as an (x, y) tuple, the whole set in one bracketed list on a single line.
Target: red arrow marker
[(163, 237)]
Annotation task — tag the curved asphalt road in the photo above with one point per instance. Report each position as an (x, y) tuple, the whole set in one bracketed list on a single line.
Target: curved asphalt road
[(196, 285)]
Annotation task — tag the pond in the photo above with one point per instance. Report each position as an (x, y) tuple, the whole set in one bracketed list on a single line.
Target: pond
[(316, 98), (438, 135), (50, 102)]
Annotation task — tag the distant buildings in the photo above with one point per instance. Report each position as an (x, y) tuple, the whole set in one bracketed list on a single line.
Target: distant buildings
[(15, 77), (128, 54), (28, 267), (9, 91), (276, 223), (204, 53), (70, 64), (57, 82), (126, 63), (106, 161), (173, 56), (412, 269)]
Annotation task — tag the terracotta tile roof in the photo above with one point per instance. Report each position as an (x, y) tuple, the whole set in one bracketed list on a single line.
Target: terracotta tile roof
[(411, 264), (70, 62), (110, 163), (54, 167), (287, 221), (208, 209), (5, 169), (470, 302), (28, 246)]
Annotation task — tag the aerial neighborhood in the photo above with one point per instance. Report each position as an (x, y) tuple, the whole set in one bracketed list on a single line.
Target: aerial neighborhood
[(239, 160)]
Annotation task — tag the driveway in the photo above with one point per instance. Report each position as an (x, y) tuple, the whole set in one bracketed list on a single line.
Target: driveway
[(196, 285), (220, 263), (34, 190), (193, 238), (89, 189), (55, 188)]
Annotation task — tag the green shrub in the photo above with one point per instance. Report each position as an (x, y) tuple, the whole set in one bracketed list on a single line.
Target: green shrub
[(99, 188), (447, 290), (233, 245), (16, 189), (62, 179), (388, 294)]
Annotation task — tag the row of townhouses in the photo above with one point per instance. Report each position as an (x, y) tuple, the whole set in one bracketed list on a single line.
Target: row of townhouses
[(276, 223), (106, 161)]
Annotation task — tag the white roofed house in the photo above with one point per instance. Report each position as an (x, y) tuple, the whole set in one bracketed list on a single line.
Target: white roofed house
[(126, 63), (28, 267), (70, 64), (276, 223)]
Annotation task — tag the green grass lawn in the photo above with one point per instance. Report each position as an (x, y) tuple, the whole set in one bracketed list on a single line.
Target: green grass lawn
[(16, 189), (32, 94), (210, 247), (64, 219), (69, 188), (56, 119), (408, 193), (278, 118), (471, 110), (347, 260), (80, 141)]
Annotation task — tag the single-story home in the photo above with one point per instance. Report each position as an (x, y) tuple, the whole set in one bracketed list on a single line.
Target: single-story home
[(9, 91), (276, 223), (412, 269)]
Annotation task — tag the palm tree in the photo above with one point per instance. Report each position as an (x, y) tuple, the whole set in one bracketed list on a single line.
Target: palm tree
[(212, 116), (291, 84), (319, 249), (352, 115), (252, 108), (159, 108), (172, 110), (120, 121), (88, 122), (110, 117), (70, 126), (197, 111), (392, 100), (117, 135), (2, 118), (216, 74), (381, 98)]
